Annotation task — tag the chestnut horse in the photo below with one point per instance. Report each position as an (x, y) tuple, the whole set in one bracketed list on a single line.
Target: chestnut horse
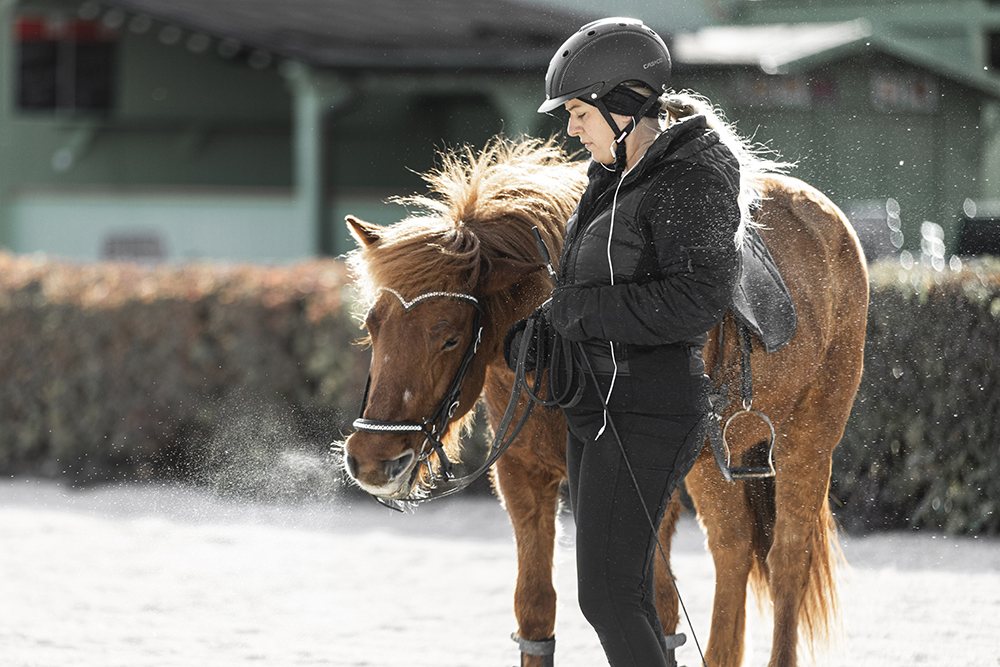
[(473, 250)]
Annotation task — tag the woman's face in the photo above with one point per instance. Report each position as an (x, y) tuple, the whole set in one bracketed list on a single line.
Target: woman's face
[(587, 124)]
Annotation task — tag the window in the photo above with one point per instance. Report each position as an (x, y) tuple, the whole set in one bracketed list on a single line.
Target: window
[(993, 50), (64, 64), (896, 92), (798, 91)]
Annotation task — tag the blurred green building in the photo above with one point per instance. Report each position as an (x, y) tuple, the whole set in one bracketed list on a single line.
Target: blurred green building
[(891, 107), (245, 129)]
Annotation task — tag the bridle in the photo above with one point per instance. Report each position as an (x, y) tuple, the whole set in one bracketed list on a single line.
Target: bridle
[(433, 428)]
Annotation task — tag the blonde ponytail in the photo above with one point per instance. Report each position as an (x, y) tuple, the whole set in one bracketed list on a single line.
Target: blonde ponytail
[(753, 158)]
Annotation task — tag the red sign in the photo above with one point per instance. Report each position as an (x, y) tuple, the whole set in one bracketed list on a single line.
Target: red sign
[(45, 29)]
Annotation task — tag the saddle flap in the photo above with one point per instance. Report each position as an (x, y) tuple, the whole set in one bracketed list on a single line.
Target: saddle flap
[(761, 301)]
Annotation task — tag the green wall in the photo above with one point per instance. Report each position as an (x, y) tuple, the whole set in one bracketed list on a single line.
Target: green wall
[(180, 117), (181, 120), (193, 127)]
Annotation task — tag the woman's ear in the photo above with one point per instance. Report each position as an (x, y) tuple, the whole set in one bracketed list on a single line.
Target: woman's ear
[(621, 121)]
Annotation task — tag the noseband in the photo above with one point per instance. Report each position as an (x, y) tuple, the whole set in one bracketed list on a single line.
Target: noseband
[(433, 428)]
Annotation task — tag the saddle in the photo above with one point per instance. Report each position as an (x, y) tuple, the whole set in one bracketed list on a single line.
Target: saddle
[(761, 301)]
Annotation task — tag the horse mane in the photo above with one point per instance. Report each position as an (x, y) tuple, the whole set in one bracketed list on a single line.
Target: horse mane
[(480, 208)]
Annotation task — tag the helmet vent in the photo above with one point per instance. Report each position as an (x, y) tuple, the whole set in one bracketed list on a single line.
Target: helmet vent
[(565, 53), (591, 33)]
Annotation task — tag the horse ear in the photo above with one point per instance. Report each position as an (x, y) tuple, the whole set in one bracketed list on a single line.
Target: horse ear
[(505, 272), (365, 233)]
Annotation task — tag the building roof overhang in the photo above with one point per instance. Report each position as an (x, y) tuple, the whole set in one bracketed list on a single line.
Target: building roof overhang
[(373, 34), (793, 48)]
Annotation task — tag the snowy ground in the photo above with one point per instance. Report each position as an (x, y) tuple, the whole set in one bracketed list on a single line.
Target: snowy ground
[(151, 576)]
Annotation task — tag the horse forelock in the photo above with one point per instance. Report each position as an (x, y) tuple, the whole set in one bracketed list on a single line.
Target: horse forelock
[(415, 256), (480, 208)]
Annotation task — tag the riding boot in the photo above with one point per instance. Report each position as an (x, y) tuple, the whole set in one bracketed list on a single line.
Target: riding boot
[(545, 648), (670, 644)]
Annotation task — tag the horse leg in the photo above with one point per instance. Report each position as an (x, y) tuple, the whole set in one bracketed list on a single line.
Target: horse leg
[(666, 595), (803, 554), (531, 495), (667, 605), (729, 525)]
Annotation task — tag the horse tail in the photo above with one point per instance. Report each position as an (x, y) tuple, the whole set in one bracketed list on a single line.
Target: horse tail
[(759, 494), (820, 607)]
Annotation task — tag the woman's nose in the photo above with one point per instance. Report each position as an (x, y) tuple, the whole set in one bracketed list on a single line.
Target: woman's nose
[(572, 128)]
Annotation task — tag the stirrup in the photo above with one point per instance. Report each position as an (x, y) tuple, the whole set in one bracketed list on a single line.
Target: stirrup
[(750, 472)]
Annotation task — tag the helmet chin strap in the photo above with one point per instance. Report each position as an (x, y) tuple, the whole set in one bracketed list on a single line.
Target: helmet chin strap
[(620, 134)]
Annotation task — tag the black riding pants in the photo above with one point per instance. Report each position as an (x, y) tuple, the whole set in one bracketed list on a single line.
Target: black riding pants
[(615, 543)]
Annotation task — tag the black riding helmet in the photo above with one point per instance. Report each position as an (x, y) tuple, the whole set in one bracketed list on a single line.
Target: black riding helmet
[(599, 57)]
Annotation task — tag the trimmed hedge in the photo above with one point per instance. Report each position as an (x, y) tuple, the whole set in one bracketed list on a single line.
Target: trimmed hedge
[(241, 376), (114, 370), (922, 447)]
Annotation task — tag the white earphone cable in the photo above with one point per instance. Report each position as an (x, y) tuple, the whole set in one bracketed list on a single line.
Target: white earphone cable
[(611, 270)]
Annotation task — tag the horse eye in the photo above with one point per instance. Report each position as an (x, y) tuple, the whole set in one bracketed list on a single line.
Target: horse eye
[(449, 344), (371, 322)]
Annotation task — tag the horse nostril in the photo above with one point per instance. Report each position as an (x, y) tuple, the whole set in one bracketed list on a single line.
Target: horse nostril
[(398, 465), (352, 466)]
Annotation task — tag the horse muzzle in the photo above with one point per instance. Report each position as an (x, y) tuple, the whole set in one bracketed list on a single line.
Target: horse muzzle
[(390, 477)]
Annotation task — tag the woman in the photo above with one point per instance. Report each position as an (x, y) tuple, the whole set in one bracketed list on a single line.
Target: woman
[(649, 265)]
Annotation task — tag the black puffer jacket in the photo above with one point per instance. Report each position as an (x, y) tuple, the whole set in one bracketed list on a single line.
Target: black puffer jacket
[(675, 267)]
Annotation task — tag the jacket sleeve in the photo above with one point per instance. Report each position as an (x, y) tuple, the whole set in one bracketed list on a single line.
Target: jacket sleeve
[(693, 220)]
